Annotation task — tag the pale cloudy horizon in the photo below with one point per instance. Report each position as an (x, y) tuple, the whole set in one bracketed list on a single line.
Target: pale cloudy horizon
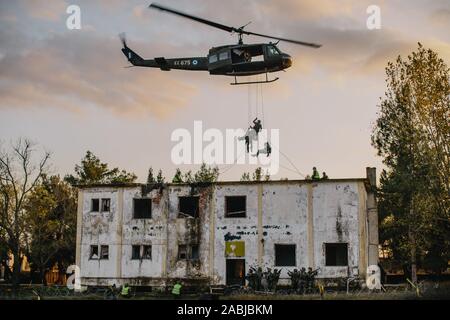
[(68, 90)]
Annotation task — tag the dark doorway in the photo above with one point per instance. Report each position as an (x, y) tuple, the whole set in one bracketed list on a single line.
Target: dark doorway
[(235, 272)]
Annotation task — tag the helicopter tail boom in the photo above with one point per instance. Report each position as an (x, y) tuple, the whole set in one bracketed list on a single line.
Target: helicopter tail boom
[(193, 64)]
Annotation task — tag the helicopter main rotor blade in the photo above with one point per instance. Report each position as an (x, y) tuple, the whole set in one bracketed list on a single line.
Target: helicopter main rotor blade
[(227, 28), (308, 44), (201, 20)]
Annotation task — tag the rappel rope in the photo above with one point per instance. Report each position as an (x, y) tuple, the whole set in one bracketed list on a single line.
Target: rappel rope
[(259, 106)]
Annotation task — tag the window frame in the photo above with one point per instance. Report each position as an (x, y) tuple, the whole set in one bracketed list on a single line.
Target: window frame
[(91, 247), (134, 208), (285, 245), (191, 252), (188, 250), (336, 245), (133, 247), (185, 252), (101, 252), (143, 252), (226, 213), (180, 216), (107, 200), (92, 205)]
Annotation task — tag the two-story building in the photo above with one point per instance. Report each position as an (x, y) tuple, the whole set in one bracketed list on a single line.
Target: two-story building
[(211, 234)]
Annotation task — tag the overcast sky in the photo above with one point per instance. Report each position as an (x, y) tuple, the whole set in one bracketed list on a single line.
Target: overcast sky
[(68, 90)]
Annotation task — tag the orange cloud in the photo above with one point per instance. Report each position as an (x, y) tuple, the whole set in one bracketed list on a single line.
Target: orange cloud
[(81, 70)]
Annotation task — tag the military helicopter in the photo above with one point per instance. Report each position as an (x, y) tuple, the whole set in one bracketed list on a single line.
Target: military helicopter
[(230, 60)]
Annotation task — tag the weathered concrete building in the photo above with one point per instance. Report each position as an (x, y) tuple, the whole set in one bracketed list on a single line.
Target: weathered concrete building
[(212, 234)]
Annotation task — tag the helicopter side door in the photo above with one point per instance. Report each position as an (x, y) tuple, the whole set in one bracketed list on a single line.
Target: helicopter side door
[(248, 59)]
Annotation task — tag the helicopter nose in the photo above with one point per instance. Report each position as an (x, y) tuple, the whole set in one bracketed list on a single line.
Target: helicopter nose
[(287, 61)]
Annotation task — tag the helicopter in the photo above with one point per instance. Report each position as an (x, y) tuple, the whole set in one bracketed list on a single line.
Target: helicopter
[(229, 60)]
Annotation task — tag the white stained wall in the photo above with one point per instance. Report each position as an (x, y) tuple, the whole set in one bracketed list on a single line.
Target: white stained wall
[(307, 214)]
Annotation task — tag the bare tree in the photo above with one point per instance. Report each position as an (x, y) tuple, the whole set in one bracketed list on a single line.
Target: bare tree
[(19, 174)]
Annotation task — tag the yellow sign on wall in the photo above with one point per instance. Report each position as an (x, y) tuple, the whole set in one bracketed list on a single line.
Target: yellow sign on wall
[(234, 249)]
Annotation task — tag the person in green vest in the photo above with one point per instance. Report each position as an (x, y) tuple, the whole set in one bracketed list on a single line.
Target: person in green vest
[(176, 291), (315, 175), (125, 292)]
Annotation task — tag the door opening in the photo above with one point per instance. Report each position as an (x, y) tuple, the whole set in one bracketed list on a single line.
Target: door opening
[(235, 272)]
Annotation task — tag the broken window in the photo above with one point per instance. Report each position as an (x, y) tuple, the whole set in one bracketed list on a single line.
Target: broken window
[(285, 255), (139, 252), (235, 206), (104, 252), (188, 207), (146, 252), (182, 252), (142, 208), (188, 252), (194, 252), (93, 255), (336, 254), (106, 204), (95, 205)]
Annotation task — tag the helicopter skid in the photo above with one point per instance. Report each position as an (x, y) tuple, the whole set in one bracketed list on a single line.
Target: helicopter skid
[(235, 83)]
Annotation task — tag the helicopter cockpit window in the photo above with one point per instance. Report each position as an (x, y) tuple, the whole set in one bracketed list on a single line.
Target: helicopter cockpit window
[(223, 55), (272, 51), (213, 58)]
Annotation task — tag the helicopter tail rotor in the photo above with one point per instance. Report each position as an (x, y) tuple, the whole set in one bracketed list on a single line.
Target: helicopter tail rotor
[(123, 39), (133, 57)]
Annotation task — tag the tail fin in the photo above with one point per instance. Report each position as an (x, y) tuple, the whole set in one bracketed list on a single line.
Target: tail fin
[(132, 56)]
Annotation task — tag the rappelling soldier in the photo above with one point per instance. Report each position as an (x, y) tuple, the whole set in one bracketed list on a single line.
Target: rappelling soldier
[(257, 126)]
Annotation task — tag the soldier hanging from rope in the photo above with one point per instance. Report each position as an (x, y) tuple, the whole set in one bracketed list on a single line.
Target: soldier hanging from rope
[(249, 137), (257, 126), (266, 150)]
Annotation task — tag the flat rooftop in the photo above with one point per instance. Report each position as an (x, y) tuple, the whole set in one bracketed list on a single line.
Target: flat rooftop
[(222, 183)]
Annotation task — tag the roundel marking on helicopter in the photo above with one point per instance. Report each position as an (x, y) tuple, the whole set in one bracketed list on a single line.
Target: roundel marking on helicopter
[(194, 62)]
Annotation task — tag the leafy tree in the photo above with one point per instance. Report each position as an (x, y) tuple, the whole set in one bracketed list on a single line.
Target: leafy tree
[(188, 178), (92, 171), (257, 175), (412, 134), (19, 175), (51, 218), (160, 178), (245, 177), (178, 177), (206, 174), (150, 177)]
